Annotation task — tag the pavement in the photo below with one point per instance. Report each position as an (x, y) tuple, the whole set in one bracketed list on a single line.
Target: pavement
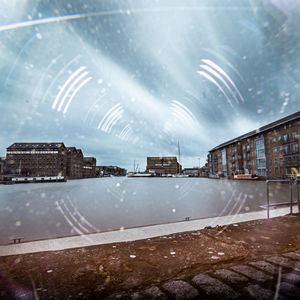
[(273, 277), (256, 259)]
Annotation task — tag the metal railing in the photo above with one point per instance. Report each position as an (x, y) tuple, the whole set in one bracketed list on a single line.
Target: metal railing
[(291, 183)]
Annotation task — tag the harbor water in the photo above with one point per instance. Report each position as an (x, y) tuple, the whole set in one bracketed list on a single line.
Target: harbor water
[(49, 210)]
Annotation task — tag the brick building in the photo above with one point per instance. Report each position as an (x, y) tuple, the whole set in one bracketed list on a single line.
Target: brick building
[(2, 165), (74, 163), (89, 167), (270, 151), (48, 159), (37, 159), (110, 170), (163, 165)]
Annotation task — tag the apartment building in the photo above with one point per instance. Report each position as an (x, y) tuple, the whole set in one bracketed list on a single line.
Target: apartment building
[(271, 151), (163, 165)]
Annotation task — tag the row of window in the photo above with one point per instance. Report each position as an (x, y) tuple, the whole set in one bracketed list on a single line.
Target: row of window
[(285, 137), (32, 152), (248, 147)]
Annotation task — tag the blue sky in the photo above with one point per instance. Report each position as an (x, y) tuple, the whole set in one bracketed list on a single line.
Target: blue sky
[(123, 80)]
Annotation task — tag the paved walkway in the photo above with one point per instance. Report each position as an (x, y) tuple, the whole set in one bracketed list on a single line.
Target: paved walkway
[(275, 277), (133, 234)]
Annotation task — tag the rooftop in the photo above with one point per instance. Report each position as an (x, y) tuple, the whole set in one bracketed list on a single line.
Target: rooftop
[(260, 130), (50, 145)]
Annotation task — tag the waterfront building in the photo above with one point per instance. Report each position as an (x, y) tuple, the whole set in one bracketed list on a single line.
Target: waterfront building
[(192, 172), (74, 163), (110, 171), (89, 167), (2, 165), (36, 159), (163, 165), (271, 151)]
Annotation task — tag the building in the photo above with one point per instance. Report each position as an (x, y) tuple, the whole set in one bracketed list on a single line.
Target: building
[(163, 165), (2, 165), (89, 167), (74, 163), (110, 170), (192, 172), (271, 151), (36, 159)]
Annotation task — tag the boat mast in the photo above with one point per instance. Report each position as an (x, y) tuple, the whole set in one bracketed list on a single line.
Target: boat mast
[(179, 159)]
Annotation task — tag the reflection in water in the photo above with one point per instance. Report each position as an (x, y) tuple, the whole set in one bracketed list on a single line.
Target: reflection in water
[(36, 211)]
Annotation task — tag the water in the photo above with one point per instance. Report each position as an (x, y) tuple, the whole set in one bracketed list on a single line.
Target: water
[(48, 210)]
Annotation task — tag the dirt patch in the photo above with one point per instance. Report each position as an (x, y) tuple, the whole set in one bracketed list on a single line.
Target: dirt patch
[(102, 270)]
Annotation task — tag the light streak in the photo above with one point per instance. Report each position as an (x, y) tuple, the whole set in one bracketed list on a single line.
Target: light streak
[(236, 209), (44, 74), (114, 118), (107, 114), (93, 108), (226, 62), (73, 217), (227, 205), (58, 74), (186, 110), (70, 88), (216, 84), (71, 77), (75, 92), (109, 119), (278, 285), (82, 217), (220, 70), (57, 19), (125, 132), (17, 58), (68, 220), (216, 74), (181, 115)]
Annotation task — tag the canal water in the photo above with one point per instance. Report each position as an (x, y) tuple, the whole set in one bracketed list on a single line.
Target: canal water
[(48, 210)]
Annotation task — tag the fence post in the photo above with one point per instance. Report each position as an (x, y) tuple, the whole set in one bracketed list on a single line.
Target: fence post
[(291, 196), (268, 201), (297, 192)]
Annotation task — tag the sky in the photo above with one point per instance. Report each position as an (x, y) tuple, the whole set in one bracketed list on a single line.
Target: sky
[(123, 80)]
